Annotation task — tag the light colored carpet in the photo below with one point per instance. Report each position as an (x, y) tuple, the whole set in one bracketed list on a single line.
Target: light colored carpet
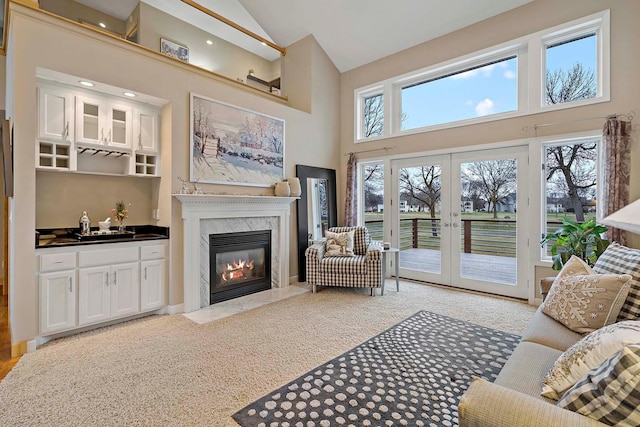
[(167, 370)]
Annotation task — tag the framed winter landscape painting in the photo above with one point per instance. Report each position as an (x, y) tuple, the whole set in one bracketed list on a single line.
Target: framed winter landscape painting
[(233, 145)]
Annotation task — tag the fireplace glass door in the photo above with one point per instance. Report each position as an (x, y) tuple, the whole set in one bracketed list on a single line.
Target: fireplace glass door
[(239, 264)]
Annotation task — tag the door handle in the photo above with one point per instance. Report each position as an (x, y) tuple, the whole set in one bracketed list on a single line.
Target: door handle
[(446, 224), (145, 273), (106, 276), (115, 278), (70, 284), (66, 130)]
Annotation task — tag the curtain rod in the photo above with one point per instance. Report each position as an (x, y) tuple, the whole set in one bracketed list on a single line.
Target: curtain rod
[(629, 116), (368, 151)]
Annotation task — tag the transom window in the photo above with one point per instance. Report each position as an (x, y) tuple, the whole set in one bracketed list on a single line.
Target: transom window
[(571, 72), (483, 90), (560, 67)]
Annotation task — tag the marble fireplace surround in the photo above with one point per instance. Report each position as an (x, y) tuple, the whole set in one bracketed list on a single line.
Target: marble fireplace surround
[(205, 214)]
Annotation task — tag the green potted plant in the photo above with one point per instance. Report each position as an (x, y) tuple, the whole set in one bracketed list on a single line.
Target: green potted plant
[(580, 239)]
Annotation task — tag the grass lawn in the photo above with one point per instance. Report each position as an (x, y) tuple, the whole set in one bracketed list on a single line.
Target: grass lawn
[(551, 217)]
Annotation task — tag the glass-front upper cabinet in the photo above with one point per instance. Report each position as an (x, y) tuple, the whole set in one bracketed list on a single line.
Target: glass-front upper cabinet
[(101, 122)]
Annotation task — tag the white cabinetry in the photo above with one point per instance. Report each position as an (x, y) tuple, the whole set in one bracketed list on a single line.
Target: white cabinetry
[(55, 118), (82, 131), (113, 281), (107, 292), (151, 277), (146, 129), (103, 122), (57, 286), (55, 128), (57, 301)]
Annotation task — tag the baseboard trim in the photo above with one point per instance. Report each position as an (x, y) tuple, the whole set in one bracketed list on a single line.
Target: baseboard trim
[(22, 347), (175, 309), (293, 279)]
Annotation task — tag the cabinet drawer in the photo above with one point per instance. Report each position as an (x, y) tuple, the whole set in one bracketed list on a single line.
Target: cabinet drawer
[(63, 261), (108, 256), (152, 252)]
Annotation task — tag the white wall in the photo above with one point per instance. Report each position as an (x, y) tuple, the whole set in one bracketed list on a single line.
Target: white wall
[(46, 42)]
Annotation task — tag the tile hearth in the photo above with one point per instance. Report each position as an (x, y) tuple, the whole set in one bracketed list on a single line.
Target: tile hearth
[(242, 304)]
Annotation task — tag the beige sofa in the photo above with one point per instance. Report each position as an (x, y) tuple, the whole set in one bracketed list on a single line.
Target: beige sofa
[(514, 398)]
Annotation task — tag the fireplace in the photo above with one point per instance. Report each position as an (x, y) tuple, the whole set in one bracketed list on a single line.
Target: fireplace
[(239, 264)]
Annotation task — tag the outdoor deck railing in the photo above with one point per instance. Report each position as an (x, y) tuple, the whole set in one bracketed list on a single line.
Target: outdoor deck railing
[(478, 236)]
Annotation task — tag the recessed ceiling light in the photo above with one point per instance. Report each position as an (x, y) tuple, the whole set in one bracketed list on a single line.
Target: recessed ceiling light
[(86, 83), (102, 25), (209, 42), (130, 94)]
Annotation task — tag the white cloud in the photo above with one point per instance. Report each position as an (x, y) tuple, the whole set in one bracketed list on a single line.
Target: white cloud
[(484, 107), (509, 74), (486, 71)]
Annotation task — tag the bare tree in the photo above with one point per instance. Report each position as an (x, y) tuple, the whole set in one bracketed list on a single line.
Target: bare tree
[(574, 163), (373, 116), (423, 184), (494, 179), (373, 185), (570, 85)]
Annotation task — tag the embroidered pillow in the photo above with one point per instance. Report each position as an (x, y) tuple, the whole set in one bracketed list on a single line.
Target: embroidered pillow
[(584, 301), (339, 244), (586, 354), (609, 393)]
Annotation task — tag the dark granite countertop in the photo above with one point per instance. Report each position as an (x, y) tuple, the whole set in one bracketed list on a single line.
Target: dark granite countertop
[(57, 237)]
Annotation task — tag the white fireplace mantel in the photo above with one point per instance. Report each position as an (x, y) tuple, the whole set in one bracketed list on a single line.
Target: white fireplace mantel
[(198, 207)]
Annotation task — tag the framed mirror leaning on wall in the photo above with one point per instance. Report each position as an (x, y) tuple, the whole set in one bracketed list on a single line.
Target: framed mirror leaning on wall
[(316, 209)]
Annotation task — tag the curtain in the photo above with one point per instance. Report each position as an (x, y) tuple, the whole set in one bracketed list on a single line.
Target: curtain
[(617, 168), (351, 202)]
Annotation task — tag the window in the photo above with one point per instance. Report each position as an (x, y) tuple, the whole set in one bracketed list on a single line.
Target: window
[(560, 67), (372, 115), (483, 90), (571, 70), (570, 182), (372, 184)]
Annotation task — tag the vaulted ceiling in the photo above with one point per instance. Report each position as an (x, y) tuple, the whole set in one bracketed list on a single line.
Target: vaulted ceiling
[(352, 32)]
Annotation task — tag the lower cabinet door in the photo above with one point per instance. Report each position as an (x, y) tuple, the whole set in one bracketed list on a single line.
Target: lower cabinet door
[(125, 291), (57, 301), (151, 284), (94, 300)]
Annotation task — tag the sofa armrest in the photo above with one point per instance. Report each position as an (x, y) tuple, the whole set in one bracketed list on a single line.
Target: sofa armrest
[(315, 251), (486, 404), (374, 251)]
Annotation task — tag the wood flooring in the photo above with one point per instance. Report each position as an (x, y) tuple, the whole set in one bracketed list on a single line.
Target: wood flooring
[(6, 362)]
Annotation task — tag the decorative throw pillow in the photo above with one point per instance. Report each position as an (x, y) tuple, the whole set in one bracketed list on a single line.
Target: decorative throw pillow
[(586, 354), (584, 301), (618, 259), (339, 244), (609, 393)]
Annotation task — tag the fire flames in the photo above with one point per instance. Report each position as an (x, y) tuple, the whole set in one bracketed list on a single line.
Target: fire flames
[(237, 270)]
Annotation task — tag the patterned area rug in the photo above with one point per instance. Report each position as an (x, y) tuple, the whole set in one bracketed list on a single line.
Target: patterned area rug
[(412, 374)]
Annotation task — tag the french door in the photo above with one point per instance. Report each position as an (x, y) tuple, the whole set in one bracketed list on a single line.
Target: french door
[(456, 220)]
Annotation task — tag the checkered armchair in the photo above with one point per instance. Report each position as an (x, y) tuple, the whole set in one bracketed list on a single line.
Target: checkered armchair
[(363, 270)]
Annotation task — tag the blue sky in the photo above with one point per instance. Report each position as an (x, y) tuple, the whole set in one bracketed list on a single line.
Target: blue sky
[(488, 90)]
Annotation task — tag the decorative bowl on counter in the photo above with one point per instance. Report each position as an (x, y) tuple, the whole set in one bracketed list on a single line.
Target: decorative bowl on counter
[(104, 225)]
